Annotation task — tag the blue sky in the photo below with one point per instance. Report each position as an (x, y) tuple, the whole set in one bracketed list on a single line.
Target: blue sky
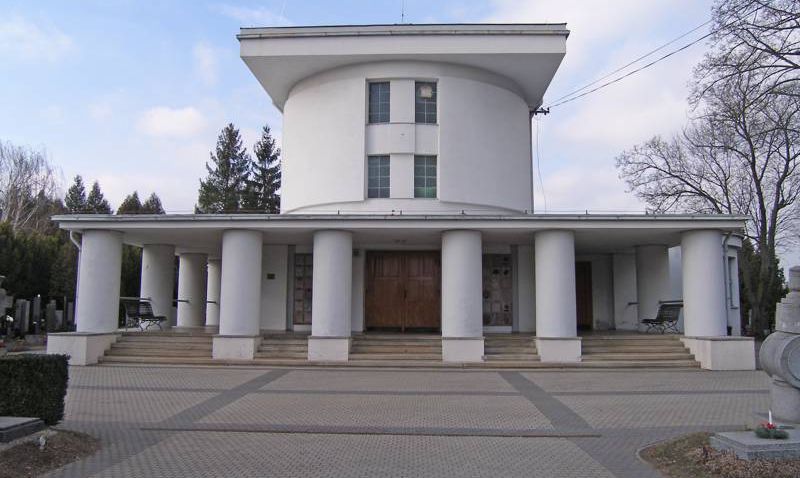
[(134, 93)]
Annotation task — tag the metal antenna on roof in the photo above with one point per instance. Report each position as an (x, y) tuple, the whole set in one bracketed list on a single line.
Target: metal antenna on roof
[(402, 11)]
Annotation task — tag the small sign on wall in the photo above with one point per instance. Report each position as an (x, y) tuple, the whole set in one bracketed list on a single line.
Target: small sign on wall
[(270, 276)]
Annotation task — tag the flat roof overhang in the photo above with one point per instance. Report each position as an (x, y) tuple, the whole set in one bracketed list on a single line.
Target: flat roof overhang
[(526, 54), (594, 233)]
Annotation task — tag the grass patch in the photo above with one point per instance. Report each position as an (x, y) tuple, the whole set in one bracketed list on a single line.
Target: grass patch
[(63, 447), (690, 456)]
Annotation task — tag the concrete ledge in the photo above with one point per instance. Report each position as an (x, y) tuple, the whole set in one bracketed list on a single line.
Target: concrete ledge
[(83, 348), (240, 347), (462, 349), (12, 428), (723, 353), (747, 446), (328, 349), (559, 349)]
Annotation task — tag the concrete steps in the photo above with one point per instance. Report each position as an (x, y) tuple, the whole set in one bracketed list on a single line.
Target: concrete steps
[(395, 349), (283, 347), (634, 350), (517, 349), (159, 347)]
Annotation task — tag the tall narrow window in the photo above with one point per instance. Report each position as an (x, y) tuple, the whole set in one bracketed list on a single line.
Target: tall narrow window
[(378, 176), (379, 102), (425, 102), (425, 176)]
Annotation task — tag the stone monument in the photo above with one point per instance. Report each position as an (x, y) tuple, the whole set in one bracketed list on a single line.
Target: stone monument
[(780, 358)]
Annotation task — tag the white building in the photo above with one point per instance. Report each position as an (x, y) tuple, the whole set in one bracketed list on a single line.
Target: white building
[(407, 205)]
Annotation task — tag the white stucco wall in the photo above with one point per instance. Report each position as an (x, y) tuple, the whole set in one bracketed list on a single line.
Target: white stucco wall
[(624, 276), (273, 290), (483, 137)]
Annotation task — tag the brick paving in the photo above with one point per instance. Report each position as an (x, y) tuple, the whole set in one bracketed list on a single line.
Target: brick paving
[(249, 422)]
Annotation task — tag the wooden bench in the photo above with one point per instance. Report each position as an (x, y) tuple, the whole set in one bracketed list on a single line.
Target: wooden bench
[(139, 313), (667, 318)]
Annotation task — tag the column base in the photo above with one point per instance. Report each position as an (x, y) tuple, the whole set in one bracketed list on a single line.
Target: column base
[(83, 348), (462, 349), (235, 347), (559, 349), (328, 349), (722, 353)]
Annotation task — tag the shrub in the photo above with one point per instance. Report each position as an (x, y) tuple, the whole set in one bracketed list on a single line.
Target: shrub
[(34, 386)]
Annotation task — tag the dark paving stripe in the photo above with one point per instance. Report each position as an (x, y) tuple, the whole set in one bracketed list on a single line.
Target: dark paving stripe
[(661, 392), (560, 415), (402, 393), (366, 430)]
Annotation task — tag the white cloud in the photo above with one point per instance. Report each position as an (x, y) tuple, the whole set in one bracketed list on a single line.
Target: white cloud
[(24, 40), (165, 122), (252, 17), (205, 63)]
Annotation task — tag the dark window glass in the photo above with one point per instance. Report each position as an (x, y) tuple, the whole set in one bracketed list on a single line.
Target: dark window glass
[(379, 102), (425, 102), (425, 176), (378, 176)]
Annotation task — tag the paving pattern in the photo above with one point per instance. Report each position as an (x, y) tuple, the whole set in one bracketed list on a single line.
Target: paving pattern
[(251, 422)]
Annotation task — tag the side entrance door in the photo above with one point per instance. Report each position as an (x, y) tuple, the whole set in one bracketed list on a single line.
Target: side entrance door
[(403, 290)]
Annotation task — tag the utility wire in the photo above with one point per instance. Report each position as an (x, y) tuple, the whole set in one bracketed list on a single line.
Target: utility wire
[(572, 97)]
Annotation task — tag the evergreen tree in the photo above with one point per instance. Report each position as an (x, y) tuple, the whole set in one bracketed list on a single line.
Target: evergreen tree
[(152, 205), (223, 189), (265, 176), (131, 204), (96, 203), (75, 200)]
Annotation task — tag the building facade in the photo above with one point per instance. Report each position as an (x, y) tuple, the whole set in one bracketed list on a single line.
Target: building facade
[(407, 206)]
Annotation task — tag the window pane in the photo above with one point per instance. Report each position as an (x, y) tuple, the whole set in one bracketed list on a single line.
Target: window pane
[(425, 176), (425, 102), (378, 102), (378, 173)]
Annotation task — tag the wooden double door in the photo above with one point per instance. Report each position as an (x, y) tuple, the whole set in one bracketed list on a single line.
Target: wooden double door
[(403, 290)]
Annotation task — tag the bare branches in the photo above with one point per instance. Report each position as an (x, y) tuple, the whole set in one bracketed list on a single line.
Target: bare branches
[(28, 187)]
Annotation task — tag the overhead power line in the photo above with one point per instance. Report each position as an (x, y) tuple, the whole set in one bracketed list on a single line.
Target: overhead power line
[(572, 96)]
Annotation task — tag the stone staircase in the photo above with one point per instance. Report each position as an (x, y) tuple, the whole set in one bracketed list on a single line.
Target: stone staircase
[(396, 349), (509, 348), (635, 350), (165, 347), (288, 346)]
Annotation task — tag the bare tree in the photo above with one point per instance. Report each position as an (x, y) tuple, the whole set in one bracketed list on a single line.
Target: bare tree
[(740, 152), (28, 187)]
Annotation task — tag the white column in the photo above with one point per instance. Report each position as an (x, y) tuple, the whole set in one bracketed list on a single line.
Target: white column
[(704, 307), (192, 290), (556, 312), (332, 296), (100, 269), (240, 295), (97, 310), (462, 303), (212, 296), (652, 279), (158, 278), (526, 298), (357, 307)]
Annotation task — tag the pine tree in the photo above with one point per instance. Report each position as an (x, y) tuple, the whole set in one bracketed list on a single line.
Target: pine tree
[(223, 189), (75, 200), (152, 205), (131, 204), (96, 203), (265, 176)]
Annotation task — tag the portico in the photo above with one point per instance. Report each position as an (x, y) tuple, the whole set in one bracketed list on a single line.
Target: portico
[(341, 288)]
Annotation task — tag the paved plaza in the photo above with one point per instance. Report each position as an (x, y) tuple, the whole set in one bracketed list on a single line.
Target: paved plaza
[(252, 422)]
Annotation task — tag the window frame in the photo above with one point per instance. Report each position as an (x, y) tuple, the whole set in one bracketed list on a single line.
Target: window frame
[(423, 191), (382, 191), (427, 116), (381, 116)]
